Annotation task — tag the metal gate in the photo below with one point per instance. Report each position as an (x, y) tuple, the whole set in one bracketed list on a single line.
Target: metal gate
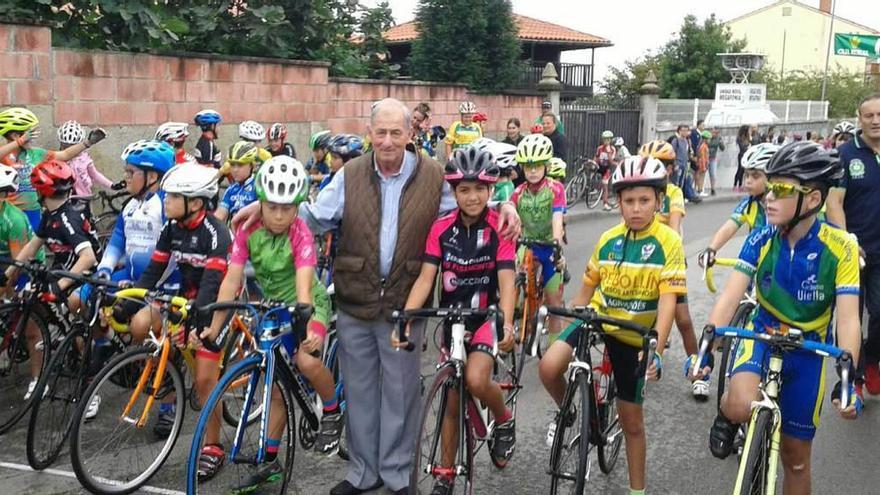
[(584, 126)]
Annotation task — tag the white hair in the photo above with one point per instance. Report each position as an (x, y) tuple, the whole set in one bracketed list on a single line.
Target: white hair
[(391, 103)]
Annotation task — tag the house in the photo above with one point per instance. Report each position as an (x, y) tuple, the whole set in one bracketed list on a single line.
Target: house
[(794, 37), (541, 41)]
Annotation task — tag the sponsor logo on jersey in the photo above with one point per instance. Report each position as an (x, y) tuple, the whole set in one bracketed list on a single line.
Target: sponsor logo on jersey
[(647, 251), (856, 169)]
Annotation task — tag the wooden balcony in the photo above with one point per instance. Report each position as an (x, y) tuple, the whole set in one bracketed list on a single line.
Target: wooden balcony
[(576, 79)]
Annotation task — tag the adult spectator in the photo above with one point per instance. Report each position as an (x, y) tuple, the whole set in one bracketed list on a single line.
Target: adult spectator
[(514, 136), (755, 135), (547, 107), (421, 129), (716, 144), (378, 260), (560, 147), (743, 141), (684, 155), (697, 135), (853, 206)]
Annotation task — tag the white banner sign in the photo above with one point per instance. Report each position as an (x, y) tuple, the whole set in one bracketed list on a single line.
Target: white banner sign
[(738, 95)]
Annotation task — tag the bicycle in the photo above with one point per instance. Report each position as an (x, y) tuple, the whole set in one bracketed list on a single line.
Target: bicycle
[(757, 468), (65, 377), (577, 185), (112, 205), (254, 383), (591, 391), (129, 387), (529, 296), (474, 426)]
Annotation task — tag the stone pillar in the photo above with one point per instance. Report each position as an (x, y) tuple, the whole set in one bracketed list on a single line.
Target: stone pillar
[(650, 95), (551, 86)]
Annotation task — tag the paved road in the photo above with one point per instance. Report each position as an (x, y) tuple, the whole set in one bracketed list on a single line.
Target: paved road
[(678, 459)]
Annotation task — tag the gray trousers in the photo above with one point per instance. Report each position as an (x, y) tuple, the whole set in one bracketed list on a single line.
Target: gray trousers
[(383, 396)]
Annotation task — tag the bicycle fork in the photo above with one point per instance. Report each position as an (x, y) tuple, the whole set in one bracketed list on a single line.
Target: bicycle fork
[(769, 394), (164, 351), (268, 366)]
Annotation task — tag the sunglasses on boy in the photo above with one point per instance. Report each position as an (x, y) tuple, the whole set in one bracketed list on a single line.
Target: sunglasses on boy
[(534, 165), (782, 190)]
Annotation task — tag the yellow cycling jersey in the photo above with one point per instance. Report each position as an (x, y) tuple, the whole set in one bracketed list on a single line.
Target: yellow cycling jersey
[(631, 270), (673, 202), (460, 135)]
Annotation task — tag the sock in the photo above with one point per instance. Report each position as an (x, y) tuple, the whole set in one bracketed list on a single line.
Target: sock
[(101, 341), (331, 406), (272, 449), (633, 491), (508, 414)]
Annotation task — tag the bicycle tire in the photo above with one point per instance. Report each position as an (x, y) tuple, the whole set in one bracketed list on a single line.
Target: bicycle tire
[(506, 375), (574, 190), (104, 428), (577, 394), (594, 190), (234, 472), (53, 410), (420, 481), (14, 358), (336, 371), (728, 347), (752, 473), (608, 423)]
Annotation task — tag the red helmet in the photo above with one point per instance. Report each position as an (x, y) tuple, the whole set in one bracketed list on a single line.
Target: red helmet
[(537, 129), (52, 177)]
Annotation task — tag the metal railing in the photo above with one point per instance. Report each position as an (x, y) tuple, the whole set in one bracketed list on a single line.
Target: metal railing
[(673, 112), (572, 76)]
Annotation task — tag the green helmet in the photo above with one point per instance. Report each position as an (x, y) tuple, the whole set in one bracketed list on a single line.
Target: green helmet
[(607, 134), (556, 169), (282, 180), (320, 140)]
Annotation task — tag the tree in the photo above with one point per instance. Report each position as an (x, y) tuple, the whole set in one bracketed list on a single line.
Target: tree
[(844, 91), (468, 41), (374, 50), (622, 84)]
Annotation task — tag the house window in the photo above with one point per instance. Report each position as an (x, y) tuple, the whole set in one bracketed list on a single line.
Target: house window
[(786, 11)]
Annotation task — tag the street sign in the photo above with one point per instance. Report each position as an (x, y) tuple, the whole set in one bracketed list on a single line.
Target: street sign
[(857, 45), (739, 95)]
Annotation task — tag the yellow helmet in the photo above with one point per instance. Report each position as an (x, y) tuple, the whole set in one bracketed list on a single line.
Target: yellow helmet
[(243, 152), (556, 169), (534, 148), (17, 119), (660, 150)]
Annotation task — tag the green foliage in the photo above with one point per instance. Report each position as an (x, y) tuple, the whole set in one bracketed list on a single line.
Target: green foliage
[(844, 89), (469, 41), (622, 84), (296, 29)]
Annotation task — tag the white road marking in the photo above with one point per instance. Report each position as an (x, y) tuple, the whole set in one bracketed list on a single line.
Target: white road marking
[(69, 474)]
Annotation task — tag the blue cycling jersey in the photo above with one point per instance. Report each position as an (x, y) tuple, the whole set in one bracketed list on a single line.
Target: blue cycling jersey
[(239, 195)]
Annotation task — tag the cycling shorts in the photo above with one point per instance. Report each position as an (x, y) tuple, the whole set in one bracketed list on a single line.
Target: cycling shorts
[(624, 363), (480, 341), (550, 278), (681, 299), (803, 384)]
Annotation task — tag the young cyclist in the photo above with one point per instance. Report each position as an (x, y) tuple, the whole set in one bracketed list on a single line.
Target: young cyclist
[(606, 155), (69, 134), (556, 169), (504, 155), (342, 148), (465, 131), (255, 133), (540, 203), (476, 266), (750, 210), (206, 151), (241, 192), (702, 155), (175, 134), (281, 248), (64, 231), (199, 243), (319, 163), (843, 132), (621, 152), (19, 127), (277, 143), (649, 257), (805, 270)]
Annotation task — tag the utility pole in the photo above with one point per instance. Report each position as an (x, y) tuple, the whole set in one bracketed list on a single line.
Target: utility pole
[(828, 51)]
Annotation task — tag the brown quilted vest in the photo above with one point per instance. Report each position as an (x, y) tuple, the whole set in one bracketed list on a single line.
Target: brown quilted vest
[(360, 290)]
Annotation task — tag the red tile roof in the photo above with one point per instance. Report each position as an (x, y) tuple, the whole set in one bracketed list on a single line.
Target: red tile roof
[(530, 29)]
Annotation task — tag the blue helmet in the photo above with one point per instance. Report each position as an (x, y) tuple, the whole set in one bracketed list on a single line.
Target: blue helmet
[(207, 117), (150, 155), (347, 146)]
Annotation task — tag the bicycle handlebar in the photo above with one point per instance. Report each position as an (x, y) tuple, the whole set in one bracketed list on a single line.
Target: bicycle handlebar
[(400, 318), (300, 312), (708, 275)]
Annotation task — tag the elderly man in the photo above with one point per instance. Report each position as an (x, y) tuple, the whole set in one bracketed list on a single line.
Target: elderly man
[(383, 204), (854, 207)]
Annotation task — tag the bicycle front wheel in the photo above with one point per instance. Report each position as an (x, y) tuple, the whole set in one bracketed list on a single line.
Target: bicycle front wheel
[(434, 455), (574, 190), (117, 452), (594, 190), (18, 364), (610, 433), (754, 477), (728, 347), (62, 385), (570, 453)]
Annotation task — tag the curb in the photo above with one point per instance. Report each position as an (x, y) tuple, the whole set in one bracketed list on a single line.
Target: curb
[(582, 213)]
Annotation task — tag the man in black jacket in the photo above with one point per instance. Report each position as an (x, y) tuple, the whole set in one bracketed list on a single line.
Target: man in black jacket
[(560, 147)]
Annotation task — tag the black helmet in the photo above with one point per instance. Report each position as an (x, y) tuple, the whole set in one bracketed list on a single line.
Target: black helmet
[(807, 162), (471, 164)]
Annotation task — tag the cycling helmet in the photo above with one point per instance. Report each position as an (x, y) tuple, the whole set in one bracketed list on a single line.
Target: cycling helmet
[(844, 127), (207, 118), (71, 132), (17, 119), (471, 164), (607, 134), (482, 143), (191, 180), (757, 156), (534, 148), (150, 155), (52, 177), (467, 107), (278, 131), (806, 161), (504, 154), (537, 129), (658, 149), (638, 171), (8, 179), (319, 139), (617, 142), (244, 152), (556, 169), (282, 180), (174, 132), (252, 131), (347, 146)]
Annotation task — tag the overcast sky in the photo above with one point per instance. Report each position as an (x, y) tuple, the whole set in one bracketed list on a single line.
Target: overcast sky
[(635, 28)]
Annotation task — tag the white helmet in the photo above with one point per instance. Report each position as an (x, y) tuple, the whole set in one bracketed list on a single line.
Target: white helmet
[(191, 180), (71, 132), (638, 171), (282, 180), (467, 107), (172, 131), (482, 143), (252, 131), (504, 154), (758, 156), (8, 179), (617, 142), (844, 127)]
